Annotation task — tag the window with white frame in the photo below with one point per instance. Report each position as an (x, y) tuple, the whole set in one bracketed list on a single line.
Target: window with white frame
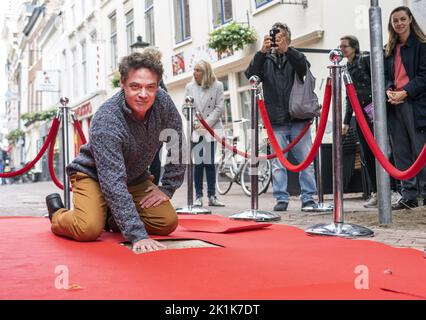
[(149, 21), (260, 3), (84, 65), (227, 114), (113, 40), (93, 36), (244, 95), (73, 15), (39, 98), (130, 30), (222, 12), (64, 82), (32, 54), (31, 96), (83, 8), (182, 20), (94, 42), (74, 72)]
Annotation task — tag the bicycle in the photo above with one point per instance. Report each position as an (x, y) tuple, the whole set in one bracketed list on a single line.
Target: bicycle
[(229, 170)]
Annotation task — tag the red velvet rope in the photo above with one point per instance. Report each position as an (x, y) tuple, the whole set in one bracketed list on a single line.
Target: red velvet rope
[(52, 172), (394, 172), (80, 132), (318, 138), (50, 164), (51, 135), (245, 154)]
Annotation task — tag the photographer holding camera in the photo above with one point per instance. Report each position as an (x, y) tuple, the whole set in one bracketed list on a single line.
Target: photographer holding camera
[(276, 64)]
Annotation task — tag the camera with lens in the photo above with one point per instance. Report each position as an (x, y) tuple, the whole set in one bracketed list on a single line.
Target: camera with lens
[(272, 33)]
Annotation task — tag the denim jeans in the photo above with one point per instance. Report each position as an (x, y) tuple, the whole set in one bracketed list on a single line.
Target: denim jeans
[(204, 152), (285, 134)]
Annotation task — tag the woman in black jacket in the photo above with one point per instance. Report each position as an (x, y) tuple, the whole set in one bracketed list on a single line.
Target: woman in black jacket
[(359, 68), (405, 76)]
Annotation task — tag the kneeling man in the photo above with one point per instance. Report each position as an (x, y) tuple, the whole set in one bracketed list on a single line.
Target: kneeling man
[(110, 173)]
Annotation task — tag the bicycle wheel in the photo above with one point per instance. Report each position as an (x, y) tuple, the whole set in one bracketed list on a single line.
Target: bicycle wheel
[(223, 179), (264, 177)]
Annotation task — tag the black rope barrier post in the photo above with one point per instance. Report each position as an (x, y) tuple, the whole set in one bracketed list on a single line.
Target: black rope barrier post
[(189, 109), (322, 206), (380, 121), (254, 213), (338, 228), (65, 150)]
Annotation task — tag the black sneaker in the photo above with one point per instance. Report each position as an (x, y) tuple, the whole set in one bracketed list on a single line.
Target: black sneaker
[(281, 206), (405, 204), (53, 203), (309, 204)]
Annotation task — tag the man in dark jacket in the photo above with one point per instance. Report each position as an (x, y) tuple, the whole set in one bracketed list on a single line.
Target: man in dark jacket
[(276, 64), (359, 68)]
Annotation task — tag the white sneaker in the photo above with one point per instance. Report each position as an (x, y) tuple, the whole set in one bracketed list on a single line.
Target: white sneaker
[(198, 202), (213, 202), (372, 202), (395, 197)]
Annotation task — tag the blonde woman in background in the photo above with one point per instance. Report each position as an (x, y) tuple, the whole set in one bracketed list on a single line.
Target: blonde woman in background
[(209, 100)]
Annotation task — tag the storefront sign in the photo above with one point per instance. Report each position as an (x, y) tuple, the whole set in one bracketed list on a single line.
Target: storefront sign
[(84, 110), (47, 81)]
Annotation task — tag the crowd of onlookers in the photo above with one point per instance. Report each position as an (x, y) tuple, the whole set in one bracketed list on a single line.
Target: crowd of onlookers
[(277, 63), (114, 191)]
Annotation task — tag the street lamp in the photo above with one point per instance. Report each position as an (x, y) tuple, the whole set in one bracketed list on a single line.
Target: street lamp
[(139, 45)]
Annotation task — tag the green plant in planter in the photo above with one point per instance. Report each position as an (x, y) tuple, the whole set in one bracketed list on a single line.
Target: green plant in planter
[(233, 36), (14, 135), (115, 80), (44, 115)]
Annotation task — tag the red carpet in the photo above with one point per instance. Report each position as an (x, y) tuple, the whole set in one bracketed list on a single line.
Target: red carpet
[(276, 262), (219, 225)]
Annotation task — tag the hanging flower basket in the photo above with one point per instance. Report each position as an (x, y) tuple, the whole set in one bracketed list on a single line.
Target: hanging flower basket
[(231, 37)]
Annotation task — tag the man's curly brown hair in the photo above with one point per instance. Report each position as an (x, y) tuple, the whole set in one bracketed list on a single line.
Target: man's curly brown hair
[(138, 60)]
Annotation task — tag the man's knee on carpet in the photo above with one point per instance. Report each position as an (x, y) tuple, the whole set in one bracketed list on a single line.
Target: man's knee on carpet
[(71, 226), (164, 226), (89, 232)]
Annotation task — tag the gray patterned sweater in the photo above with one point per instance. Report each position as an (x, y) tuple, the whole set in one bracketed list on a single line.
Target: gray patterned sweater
[(120, 150)]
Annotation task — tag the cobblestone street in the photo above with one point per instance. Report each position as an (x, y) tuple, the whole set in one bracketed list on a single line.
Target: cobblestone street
[(408, 228)]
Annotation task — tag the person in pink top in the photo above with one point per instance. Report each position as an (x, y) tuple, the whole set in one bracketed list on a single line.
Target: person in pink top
[(405, 76)]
